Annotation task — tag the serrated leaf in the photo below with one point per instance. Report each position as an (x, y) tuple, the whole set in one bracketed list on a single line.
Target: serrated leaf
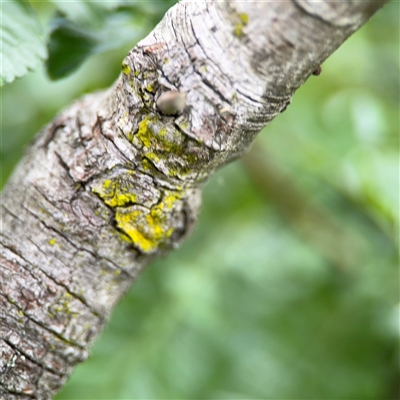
[(22, 42)]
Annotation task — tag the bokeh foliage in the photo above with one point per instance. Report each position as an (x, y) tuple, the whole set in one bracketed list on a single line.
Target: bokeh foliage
[(289, 287)]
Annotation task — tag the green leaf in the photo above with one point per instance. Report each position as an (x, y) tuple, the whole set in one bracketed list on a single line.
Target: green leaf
[(85, 14), (71, 43), (69, 46), (83, 29), (22, 42)]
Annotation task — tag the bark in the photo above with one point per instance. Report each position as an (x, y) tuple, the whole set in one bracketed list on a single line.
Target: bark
[(115, 179)]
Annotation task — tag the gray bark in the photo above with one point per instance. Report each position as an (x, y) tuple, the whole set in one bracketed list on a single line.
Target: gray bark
[(115, 179)]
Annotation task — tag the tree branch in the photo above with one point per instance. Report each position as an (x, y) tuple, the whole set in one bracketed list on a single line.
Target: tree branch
[(115, 179)]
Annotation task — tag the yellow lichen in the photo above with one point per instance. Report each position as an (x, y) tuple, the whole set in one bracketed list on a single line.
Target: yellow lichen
[(116, 193), (173, 171), (157, 211), (243, 21), (145, 231), (52, 242), (155, 136), (147, 165), (126, 69), (162, 141), (107, 183), (170, 199), (148, 229), (129, 136), (244, 18), (58, 308), (120, 199), (238, 31), (145, 132), (152, 156)]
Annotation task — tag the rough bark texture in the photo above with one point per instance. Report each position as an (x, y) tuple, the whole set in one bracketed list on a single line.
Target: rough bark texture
[(113, 182)]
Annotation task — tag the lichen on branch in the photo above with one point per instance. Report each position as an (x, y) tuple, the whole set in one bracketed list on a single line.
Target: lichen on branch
[(116, 178)]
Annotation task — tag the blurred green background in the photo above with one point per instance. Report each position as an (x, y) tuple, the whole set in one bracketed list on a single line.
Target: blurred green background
[(289, 287)]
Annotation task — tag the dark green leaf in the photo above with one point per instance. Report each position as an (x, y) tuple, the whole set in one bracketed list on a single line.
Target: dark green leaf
[(83, 29), (69, 47)]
